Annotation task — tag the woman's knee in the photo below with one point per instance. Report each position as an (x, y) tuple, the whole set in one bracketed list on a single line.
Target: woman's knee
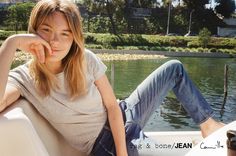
[(174, 64)]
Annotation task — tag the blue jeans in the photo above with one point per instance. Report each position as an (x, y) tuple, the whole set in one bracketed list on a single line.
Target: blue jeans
[(145, 99)]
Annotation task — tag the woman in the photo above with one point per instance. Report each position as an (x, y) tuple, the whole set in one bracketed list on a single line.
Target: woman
[(68, 86)]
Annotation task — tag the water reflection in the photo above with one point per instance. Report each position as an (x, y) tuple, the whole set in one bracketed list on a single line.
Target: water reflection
[(206, 73)]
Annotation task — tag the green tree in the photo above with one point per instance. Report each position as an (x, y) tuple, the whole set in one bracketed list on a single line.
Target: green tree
[(108, 8), (204, 37), (18, 15), (195, 4), (142, 3), (226, 7)]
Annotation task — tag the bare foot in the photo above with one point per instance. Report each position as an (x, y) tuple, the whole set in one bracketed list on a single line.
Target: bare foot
[(210, 126)]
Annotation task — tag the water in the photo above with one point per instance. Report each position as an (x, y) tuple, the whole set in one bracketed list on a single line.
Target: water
[(207, 74)]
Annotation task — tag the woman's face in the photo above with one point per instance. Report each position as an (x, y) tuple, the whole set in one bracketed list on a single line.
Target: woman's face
[(55, 30)]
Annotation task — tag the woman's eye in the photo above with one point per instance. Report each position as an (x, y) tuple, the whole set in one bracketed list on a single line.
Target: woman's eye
[(65, 34), (45, 29)]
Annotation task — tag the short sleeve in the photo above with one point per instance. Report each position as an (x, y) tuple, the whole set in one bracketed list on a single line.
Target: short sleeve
[(18, 79), (95, 65)]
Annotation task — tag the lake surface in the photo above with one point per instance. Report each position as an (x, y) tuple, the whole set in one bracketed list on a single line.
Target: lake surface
[(206, 73)]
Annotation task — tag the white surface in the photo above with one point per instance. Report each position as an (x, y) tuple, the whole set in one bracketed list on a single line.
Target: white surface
[(215, 144), (173, 143), (18, 137), (23, 132)]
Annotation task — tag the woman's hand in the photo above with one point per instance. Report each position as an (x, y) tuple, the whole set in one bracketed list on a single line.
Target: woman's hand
[(30, 43), (33, 44)]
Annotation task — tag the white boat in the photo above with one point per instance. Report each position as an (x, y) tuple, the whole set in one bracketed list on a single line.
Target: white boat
[(23, 132)]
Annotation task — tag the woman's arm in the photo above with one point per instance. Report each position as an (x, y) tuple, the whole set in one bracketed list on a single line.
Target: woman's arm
[(114, 115), (26, 42), (7, 52), (10, 96)]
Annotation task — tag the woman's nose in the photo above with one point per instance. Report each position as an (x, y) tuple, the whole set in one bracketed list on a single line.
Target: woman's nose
[(54, 40)]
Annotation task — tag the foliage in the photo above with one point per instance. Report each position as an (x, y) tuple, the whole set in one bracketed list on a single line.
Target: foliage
[(112, 16), (156, 23), (179, 20), (98, 24), (3, 16), (196, 4), (110, 8), (204, 37), (18, 15), (226, 8), (153, 41), (143, 4), (5, 34)]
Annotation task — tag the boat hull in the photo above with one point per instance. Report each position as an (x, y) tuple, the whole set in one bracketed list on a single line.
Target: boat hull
[(24, 132)]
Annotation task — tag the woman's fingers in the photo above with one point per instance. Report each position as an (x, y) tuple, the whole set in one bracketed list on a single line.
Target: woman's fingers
[(27, 42), (40, 53), (47, 46)]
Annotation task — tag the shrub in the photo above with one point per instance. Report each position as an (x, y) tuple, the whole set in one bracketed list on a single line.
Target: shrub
[(193, 44), (174, 49), (156, 41), (194, 50), (213, 50), (98, 24), (200, 49), (94, 46), (233, 51), (90, 39), (156, 48), (5, 34), (188, 50), (178, 41), (204, 37)]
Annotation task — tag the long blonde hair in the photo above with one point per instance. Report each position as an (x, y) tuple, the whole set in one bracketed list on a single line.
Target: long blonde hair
[(74, 62)]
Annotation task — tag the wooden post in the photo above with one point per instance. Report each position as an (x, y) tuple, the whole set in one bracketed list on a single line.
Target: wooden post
[(168, 19), (225, 88)]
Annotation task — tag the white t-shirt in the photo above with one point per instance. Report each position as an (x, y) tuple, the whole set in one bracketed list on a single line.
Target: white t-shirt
[(79, 121)]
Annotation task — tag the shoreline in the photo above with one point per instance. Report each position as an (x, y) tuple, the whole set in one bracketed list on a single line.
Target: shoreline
[(112, 55), (21, 57), (126, 57), (164, 53)]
